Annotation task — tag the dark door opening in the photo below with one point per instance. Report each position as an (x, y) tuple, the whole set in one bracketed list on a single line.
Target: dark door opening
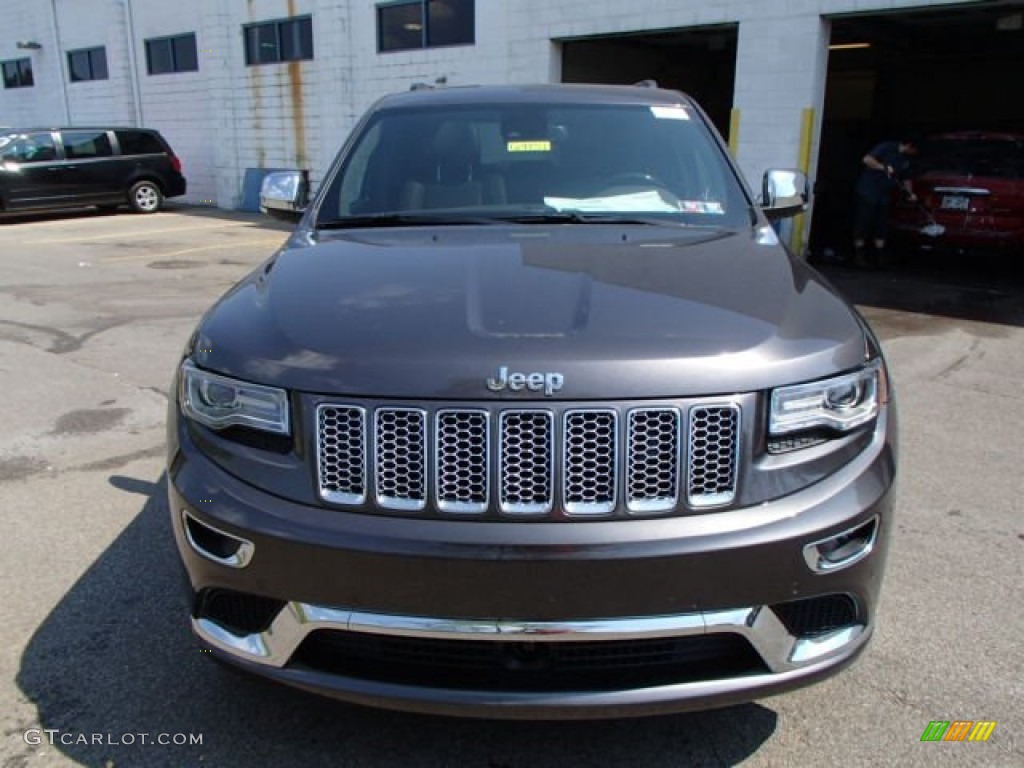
[(699, 61), (916, 74)]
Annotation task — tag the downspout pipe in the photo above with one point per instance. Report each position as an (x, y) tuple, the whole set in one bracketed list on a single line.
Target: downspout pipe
[(133, 64), (59, 57)]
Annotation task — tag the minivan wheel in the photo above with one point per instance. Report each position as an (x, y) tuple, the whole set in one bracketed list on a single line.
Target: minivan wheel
[(145, 197)]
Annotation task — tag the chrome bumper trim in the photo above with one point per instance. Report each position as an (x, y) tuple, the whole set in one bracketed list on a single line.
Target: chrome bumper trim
[(780, 650)]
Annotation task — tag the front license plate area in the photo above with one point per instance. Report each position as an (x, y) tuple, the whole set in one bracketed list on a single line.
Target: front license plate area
[(955, 202)]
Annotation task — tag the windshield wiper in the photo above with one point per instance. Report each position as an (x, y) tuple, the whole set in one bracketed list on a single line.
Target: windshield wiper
[(401, 220), (586, 217)]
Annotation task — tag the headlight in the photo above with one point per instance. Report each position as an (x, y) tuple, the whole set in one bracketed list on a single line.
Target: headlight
[(220, 402), (841, 403)]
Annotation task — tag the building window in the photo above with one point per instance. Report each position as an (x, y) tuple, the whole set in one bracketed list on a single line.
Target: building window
[(18, 73), (283, 40), (172, 54), (87, 64), (405, 25)]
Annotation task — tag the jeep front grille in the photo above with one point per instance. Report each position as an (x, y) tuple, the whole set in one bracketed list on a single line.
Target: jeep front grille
[(530, 461), (461, 446), (401, 453), (590, 462)]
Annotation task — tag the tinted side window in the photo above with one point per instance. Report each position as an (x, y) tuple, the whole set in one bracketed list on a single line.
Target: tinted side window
[(37, 148), (138, 143), (80, 145)]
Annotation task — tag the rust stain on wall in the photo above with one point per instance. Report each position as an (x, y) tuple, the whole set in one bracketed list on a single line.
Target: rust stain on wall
[(298, 104), (298, 112), (256, 87)]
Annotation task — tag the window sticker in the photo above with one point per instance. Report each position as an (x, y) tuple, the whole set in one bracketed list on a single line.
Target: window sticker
[(529, 146), (702, 206), (650, 201), (670, 113)]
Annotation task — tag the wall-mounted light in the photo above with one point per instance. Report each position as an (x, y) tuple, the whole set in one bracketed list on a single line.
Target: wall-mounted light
[(28, 45), (848, 46)]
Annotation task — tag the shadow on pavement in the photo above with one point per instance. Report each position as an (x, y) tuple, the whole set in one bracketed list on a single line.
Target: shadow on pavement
[(983, 287), (116, 657)]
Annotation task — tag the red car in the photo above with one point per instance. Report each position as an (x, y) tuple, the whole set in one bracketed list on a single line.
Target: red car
[(970, 184)]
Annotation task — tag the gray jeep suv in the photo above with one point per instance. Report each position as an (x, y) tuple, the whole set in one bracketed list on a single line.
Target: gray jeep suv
[(533, 416)]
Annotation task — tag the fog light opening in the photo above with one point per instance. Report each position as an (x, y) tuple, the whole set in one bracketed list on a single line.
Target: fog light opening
[(842, 550), (215, 544)]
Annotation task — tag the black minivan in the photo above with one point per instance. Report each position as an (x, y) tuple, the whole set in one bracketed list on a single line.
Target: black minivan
[(74, 167)]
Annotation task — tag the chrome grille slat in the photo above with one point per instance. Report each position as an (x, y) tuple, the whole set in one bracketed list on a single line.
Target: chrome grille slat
[(713, 455), (491, 459), (462, 453), (341, 453), (652, 459), (526, 462), (400, 469), (590, 461)]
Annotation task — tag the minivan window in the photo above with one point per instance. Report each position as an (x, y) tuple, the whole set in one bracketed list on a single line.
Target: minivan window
[(138, 143), (80, 145), (36, 148), (508, 160)]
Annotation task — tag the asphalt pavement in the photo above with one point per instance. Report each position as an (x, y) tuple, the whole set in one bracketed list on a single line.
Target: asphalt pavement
[(97, 666)]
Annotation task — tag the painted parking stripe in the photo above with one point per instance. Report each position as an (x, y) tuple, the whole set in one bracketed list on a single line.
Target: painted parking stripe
[(156, 256), (139, 233)]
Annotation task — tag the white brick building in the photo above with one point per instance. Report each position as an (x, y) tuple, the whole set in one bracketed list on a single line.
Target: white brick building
[(224, 116)]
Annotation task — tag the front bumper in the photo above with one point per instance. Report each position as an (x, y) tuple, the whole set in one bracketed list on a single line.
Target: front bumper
[(520, 587)]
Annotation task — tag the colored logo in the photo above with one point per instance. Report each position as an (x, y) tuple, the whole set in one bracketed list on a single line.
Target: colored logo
[(958, 730)]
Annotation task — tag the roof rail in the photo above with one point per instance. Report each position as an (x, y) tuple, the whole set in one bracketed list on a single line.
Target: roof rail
[(646, 84), (421, 87)]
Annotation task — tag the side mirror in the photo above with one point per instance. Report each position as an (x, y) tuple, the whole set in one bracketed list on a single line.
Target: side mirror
[(283, 194), (784, 193)]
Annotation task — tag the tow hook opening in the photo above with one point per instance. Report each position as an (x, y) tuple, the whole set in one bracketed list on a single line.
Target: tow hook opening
[(843, 549), (215, 544)]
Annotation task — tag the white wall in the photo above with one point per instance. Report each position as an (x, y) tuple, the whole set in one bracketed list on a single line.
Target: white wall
[(179, 104), (43, 103), (90, 24)]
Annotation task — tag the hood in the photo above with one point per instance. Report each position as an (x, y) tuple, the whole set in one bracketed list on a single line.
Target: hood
[(616, 312)]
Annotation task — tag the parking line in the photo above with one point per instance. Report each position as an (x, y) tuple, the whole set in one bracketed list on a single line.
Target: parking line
[(145, 233), (198, 249)]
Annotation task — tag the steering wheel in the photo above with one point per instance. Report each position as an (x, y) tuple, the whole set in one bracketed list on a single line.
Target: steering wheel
[(634, 179)]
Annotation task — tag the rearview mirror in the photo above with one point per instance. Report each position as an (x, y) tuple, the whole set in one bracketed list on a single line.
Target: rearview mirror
[(283, 194), (784, 193)]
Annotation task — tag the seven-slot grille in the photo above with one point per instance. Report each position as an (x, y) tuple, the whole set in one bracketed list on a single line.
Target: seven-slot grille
[(527, 461)]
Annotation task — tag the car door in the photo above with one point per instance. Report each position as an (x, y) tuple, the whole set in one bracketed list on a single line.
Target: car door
[(95, 173), (32, 172)]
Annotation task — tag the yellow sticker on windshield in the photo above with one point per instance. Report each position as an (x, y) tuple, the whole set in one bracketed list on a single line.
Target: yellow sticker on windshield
[(528, 146)]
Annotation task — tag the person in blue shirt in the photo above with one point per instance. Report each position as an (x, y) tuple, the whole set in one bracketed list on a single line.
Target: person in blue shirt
[(886, 167)]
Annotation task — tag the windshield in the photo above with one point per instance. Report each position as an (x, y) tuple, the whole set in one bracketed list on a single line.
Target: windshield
[(977, 157), (537, 161)]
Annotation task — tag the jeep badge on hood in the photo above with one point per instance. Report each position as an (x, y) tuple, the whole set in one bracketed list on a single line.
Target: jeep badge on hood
[(535, 382)]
